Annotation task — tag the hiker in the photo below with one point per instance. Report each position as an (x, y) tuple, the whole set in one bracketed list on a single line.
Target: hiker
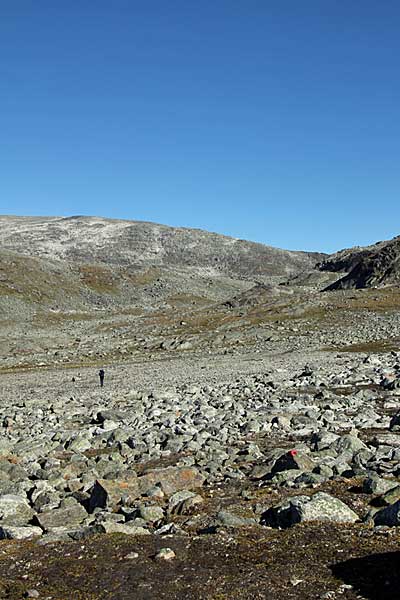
[(101, 375)]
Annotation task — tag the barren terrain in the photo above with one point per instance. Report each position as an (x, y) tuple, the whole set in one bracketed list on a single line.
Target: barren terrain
[(248, 420)]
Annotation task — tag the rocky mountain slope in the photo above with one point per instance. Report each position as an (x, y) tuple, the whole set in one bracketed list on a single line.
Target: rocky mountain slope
[(140, 244), (366, 267), (85, 263)]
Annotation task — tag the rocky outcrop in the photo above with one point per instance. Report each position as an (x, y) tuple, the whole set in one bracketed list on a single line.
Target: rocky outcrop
[(365, 267)]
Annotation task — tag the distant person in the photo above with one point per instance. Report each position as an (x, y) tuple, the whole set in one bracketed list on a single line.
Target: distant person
[(101, 375)]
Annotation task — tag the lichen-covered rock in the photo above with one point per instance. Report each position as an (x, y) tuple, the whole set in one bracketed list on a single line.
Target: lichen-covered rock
[(293, 460), (300, 509), (127, 528), (348, 443), (378, 485), (151, 514), (108, 493), (184, 502), (229, 519), (172, 479), (391, 496), (15, 510), (7, 532), (61, 517)]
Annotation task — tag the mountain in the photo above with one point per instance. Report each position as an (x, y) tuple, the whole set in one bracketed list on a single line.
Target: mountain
[(371, 266), (127, 243), (77, 262)]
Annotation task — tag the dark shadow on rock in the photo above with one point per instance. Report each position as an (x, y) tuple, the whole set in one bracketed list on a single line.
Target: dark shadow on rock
[(375, 577)]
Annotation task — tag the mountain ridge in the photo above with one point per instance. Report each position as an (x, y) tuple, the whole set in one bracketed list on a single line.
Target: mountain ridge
[(110, 241), (368, 266)]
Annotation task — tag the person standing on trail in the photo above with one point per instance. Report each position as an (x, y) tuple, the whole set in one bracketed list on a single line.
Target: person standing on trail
[(101, 375)]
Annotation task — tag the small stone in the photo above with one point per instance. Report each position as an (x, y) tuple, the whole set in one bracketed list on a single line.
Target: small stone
[(165, 554), (154, 492), (32, 594), (132, 556)]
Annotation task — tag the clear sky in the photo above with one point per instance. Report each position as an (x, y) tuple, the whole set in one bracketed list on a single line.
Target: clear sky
[(276, 121)]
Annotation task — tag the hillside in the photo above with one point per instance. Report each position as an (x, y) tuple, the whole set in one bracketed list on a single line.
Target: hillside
[(371, 266), (141, 244), (81, 263)]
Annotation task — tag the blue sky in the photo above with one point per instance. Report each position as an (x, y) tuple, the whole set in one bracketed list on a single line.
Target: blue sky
[(276, 121)]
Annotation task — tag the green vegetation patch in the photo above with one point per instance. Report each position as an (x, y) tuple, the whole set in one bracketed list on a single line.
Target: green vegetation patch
[(144, 277), (179, 300), (99, 279), (375, 347), (33, 280)]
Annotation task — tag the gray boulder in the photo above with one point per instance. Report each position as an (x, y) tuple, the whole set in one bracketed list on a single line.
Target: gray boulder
[(348, 443), (65, 516), (378, 485), (300, 509), (395, 423), (151, 514), (293, 460), (126, 528), (7, 532), (228, 519), (390, 515), (15, 510), (184, 502)]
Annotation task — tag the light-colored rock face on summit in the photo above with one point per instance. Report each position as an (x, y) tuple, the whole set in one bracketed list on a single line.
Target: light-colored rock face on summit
[(117, 242), (84, 263)]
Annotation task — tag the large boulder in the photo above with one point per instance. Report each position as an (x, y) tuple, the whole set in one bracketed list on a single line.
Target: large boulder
[(15, 510), (7, 532), (68, 516), (172, 479), (390, 515), (377, 485), (348, 443), (184, 502), (108, 493), (301, 509), (293, 459)]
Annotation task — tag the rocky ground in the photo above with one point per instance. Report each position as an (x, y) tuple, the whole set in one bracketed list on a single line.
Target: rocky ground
[(244, 476)]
